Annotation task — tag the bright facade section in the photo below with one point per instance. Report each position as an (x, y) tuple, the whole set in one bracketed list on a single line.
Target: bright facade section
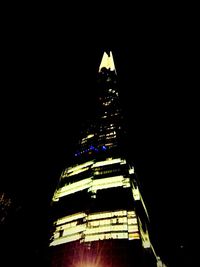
[(120, 224), (75, 179), (99, 215), (107, 224)]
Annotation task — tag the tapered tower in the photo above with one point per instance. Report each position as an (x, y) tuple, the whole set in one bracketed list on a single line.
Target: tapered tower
[(100, 219)]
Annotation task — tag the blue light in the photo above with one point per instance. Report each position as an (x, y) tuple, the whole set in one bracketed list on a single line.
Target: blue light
[(77, 153), (103, 148)]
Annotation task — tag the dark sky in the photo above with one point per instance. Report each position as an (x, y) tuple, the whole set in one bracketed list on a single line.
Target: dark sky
[(49, 74)]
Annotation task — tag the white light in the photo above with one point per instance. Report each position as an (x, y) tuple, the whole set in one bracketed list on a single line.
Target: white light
[(107, 62), (103, 215), (90, 136), (75, 168), (65, 239), (131, 170), (109, 182), (78, 171), (107, 162), (73, 188), (71, 218), (136, 193), (120, 224)]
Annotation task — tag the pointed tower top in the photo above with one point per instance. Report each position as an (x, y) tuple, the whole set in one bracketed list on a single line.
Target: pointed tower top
[(107, 62)]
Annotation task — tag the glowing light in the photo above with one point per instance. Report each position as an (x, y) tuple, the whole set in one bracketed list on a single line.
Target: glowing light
[(65, 240), (76, 168), (131, 170), (107, 162), (136, 193), (90, 136), (87, 265), (119, 224), (91, 185), (78, 171), (103, 183), (110, 214), (107, 62), (103, 236), (144, 236), (71, 218), (72, 188), (134, 236)]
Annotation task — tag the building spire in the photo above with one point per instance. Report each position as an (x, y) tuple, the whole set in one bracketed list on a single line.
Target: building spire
[(107, 61)]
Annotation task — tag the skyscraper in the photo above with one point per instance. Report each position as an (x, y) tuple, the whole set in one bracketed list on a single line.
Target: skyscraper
[(99, 216)]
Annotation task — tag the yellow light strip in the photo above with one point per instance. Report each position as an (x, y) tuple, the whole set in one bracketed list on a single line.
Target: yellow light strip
[(65, 239), (66, 226), (92, 185), (133, 236), (103, 215), (71, 218), (75, 168), (106, 162), (109, 221), (114, 181), (105, 186), (108, 180), (97, 226), (133, 228), (77, 172), (73, 188), (108, 228), (74, 230), (104, 236)]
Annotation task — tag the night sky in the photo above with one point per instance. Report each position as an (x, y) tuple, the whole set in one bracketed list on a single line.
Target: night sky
[(49, 75)]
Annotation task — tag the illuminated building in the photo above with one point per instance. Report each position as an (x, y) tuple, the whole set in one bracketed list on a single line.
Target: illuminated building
[(100, 218)]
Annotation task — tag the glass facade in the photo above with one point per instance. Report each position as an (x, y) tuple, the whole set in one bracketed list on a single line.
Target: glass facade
[(100, 218)]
